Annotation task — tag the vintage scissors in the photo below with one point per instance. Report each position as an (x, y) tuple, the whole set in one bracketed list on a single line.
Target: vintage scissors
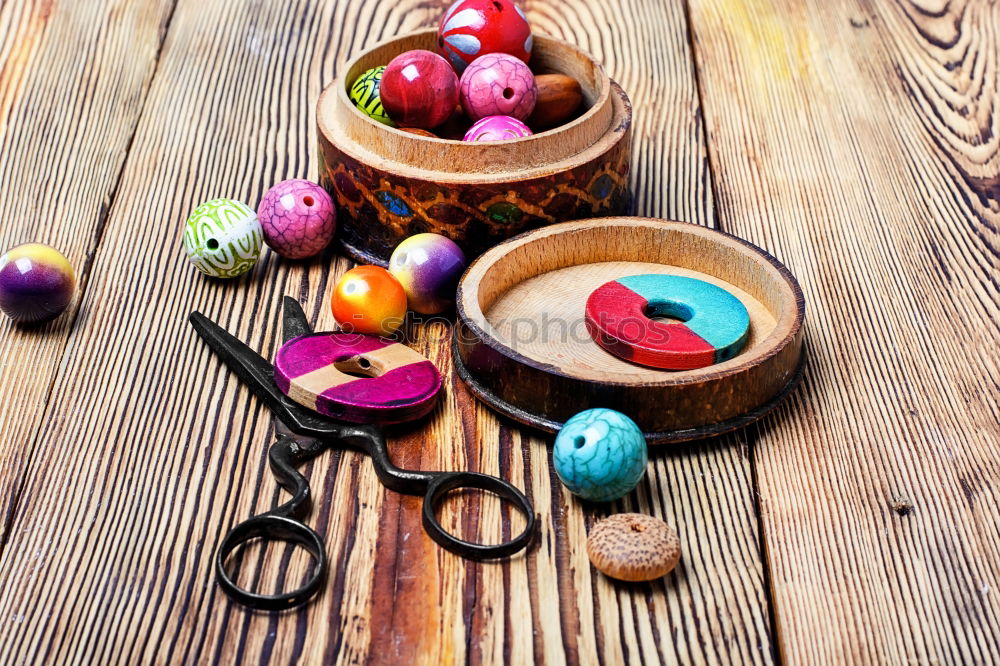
[(303, 434)]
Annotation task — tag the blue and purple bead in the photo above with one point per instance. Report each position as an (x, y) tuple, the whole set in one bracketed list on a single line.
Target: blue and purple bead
[(428, 266), (36, 283)]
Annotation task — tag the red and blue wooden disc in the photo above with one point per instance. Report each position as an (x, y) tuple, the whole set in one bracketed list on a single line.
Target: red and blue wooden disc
[(714, 325), (357, 378)]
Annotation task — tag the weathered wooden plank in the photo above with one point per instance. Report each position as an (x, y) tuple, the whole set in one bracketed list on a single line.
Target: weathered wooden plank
[(860, 142), (73, 77), (154, 450)]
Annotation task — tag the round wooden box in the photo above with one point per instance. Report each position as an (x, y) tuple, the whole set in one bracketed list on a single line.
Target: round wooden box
[(389, 184), (522, 347)]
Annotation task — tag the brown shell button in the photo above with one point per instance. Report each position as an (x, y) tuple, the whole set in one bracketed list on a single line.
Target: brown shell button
[(633, 547)]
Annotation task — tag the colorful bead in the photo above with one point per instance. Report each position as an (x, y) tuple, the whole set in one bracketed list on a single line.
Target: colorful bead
[(298, 218), (428, 266), (223, 238), (497, 128), (368, 299), (600, 455), (473, 28), (365, 95), (357, 378), (419, 89), (714, 325), (36, 283), (498, 85)]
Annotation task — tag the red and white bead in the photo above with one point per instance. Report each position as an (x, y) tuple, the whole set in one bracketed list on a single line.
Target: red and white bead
[(473, 28)]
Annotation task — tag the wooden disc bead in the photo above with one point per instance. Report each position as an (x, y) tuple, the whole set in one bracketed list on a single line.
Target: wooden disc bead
[(633, 547), (357, 378), (714, 324)]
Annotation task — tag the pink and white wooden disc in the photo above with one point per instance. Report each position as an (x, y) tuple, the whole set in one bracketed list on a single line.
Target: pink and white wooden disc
[(320, 371)]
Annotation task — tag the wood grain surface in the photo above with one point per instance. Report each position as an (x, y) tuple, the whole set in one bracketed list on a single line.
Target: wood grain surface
[(73, 79), (859, 142), (876, 177)]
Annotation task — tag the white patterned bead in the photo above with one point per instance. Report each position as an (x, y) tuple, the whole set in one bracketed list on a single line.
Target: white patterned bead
[(223, 238)]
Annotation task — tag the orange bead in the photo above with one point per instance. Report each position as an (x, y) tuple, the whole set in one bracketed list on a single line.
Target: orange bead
[(368, 299)]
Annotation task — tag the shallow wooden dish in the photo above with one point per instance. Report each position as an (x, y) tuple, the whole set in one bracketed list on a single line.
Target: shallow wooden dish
[(521, 345), (389, 184)]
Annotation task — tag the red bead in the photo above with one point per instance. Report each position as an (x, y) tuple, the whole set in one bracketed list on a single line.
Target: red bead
[(473, 28), (419, 89)]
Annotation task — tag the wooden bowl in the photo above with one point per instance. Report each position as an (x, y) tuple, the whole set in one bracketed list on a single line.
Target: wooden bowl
[(522, 347), (389, 184)]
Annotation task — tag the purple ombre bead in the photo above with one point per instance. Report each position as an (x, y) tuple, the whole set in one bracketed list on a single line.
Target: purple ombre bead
[(428, 266), (36, 283)]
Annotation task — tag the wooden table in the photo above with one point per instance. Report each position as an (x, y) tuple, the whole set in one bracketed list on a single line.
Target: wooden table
[(859, 142)]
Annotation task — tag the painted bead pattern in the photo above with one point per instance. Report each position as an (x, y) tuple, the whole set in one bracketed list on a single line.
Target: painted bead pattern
[(600, 455), (375, 212), (223, 238), (472, 28), (365, 95)]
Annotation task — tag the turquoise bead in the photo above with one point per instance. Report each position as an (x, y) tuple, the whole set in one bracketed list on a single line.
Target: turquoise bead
[(600, 455)]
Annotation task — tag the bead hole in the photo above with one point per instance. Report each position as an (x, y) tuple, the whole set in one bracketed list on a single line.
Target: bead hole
[(212, 244), (579, 441), (508, 93), (309, 201), (636, 527), (668, 312), (357, 366)]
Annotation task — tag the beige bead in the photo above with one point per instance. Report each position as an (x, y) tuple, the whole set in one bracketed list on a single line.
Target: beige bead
[(633, 547)]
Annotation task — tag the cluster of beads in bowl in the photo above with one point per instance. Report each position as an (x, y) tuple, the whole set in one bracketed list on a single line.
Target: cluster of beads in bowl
[(478, 86)]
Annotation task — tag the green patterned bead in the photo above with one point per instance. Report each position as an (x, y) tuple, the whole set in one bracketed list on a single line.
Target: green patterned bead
[(365, 95), (223, 238), (600, 455)]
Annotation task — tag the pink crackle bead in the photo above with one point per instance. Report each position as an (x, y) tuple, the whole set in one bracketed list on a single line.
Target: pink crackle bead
[(498, 84), (298, 218)]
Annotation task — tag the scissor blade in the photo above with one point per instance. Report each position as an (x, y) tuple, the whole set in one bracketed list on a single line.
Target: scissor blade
[(294, 321), (248, 365)]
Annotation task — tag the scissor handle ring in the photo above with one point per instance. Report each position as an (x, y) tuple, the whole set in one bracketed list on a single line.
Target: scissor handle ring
[(271, 528), (444, 483)]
